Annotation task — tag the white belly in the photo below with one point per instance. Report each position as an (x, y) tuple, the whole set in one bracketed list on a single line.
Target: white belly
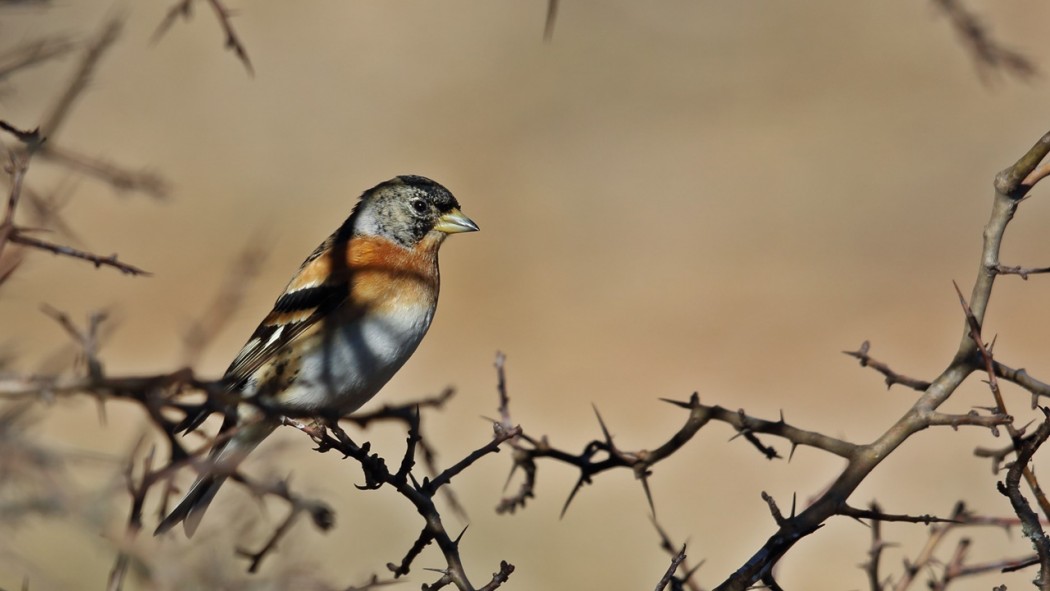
[(343, 373)]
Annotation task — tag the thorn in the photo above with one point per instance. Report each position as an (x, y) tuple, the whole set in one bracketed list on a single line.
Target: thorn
[(677, 403), (572, 495), (513, 469), (605, 430), (460, 536)]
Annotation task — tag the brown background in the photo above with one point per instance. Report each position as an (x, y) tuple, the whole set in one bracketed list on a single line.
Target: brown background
[(674, 197)]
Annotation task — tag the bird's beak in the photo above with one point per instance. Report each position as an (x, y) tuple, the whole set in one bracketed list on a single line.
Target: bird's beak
[(454, 222)]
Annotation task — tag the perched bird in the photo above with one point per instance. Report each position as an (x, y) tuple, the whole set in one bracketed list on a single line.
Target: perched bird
[(347, 321)]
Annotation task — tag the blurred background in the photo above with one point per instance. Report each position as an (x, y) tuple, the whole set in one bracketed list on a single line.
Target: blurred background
[(673, 197)]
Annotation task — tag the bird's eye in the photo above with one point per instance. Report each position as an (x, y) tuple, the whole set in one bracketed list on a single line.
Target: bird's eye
[(419, 206)]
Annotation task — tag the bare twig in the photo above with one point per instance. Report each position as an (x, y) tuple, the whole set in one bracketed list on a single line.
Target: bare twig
[(320, 514), (892, 377), (184, 9), (242, 274), (1011, 181), (19, 165), (989, 55), (1037, 175), (1022, 378), (871, 567), (937, 535), (1009, 191), (45, 210), (1000, 404), (676, 561), (1024, 272), (876, 515), (602, 455), (19, 237), (31, 138), (1030, 526), (552, 17), (420, 494), (92, 55), (138, 498), (34, 53), (145, 182), (686, 580)]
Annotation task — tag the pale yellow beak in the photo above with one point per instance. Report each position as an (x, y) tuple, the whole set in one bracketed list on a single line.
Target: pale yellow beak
[(454, 222)]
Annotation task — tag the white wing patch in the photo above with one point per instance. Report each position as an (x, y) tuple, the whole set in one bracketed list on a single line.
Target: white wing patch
[(276, 335)]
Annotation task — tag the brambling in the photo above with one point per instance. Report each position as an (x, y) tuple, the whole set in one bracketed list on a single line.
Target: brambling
[(351, 316)]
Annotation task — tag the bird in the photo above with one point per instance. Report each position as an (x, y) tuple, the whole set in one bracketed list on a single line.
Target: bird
[(349, 318)]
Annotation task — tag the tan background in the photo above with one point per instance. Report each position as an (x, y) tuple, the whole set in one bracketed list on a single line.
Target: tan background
[(673, 197)]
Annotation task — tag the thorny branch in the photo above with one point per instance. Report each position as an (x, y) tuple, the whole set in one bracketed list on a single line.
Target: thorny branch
[(419, 493), (18, 236), (678, 562), (892, 377), (34, 144), (118, 177), (668, 578), (1030, 526), (9, 232), (1009, 190), (162, 394), (159, 395), (600, 455)]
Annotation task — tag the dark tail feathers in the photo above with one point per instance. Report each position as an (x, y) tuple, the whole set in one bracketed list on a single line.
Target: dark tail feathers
[(192, 508)]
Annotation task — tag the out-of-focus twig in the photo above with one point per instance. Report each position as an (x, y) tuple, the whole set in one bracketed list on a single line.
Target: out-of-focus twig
[(552, 17), (33, 53), (60, 111), (678, 561), (241, 276), (990, 56), (145, 182), (1009, 191), (9, 232), (19, 165), (184, 9)]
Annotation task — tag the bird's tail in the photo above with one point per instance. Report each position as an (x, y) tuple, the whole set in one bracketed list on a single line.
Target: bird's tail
[(224, 459)]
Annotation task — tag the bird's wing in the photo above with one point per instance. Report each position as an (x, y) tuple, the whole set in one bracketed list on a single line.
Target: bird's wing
[(312, 295)]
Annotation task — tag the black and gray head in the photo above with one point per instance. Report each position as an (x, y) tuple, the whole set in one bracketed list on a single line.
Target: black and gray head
[(406, 208)]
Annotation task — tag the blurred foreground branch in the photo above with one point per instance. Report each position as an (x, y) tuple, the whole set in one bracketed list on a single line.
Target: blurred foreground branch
[(11, 233)]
